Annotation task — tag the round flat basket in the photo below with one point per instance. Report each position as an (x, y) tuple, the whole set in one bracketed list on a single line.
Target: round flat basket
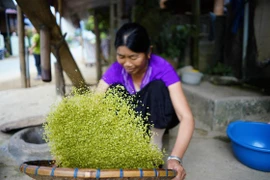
[(46, 170)]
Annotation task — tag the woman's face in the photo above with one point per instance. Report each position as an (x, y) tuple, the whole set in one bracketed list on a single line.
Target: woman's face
[(134, 63)]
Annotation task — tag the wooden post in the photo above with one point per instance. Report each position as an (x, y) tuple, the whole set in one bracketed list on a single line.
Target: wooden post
[(245, 41), (112, 30), (8, 41), (196, 36), (45, 52), (21, 47), (98, 48), (28, 84), (60, 11), (59, 76), (59, 79), (120, 5), (42, 14), (219, 25)]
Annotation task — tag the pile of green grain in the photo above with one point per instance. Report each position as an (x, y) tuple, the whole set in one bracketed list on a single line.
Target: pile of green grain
[(99, 131)]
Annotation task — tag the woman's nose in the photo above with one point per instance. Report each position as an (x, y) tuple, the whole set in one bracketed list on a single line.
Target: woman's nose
[(127, 63)]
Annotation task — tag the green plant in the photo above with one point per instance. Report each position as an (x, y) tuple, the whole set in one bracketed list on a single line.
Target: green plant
[(168, 37), (104, 22), (221, 70), (173, 39), (93, 130)]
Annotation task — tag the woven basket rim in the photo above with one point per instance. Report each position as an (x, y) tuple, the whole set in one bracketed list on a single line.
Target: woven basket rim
[(47, 168)]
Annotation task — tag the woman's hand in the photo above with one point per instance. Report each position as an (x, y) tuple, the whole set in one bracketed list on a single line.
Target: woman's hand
[(30, 50), (175, 165)]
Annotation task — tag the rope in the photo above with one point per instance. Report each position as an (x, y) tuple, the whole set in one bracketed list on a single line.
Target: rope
[(141, 173), (52, 172), (75, 172), (156, 173), (121, 173), (98, 174), (36, 171), (24, 170)]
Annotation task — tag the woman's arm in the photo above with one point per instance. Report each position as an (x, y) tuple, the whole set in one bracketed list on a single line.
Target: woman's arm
[(102, 87), (32, 47), (186, 126), (184, 115)]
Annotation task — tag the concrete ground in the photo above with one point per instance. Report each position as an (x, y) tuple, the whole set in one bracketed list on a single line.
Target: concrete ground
[(209, 156)]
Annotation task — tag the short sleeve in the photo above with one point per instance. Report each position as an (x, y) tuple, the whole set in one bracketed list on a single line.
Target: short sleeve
[(169, 76), (163, 70), (35, 39), (113, 74)]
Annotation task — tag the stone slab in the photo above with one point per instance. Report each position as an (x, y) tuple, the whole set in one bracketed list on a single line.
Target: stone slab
[(216, 106), (22, 123), (23, 105)]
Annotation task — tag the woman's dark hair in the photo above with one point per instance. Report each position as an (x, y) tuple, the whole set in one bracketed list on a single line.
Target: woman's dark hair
[(134, 36)]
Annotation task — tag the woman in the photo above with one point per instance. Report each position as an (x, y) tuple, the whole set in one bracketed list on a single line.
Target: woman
[(154, 82), (35, 50)]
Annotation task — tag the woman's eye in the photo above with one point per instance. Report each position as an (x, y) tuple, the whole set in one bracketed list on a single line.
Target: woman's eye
[(121, 57), (133, 57)]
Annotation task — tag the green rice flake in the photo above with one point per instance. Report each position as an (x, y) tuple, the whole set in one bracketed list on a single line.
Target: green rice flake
[(100, 130)]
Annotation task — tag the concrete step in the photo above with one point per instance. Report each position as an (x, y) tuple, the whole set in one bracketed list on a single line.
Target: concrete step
[(216, 106)]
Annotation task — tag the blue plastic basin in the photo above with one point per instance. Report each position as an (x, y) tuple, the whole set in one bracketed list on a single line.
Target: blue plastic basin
[(251, 143)]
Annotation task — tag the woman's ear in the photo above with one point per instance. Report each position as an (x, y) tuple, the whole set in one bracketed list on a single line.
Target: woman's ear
[(150, 52)]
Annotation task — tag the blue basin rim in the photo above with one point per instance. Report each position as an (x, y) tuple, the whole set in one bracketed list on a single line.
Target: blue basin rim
[(234, 140)]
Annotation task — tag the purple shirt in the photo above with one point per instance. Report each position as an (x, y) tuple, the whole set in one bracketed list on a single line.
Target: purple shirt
[(158, 69)]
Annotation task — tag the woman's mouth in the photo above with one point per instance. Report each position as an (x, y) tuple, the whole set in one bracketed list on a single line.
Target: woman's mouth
[(129, 69)]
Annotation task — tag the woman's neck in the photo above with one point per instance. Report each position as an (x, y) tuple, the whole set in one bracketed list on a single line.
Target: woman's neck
[(139, 76)]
